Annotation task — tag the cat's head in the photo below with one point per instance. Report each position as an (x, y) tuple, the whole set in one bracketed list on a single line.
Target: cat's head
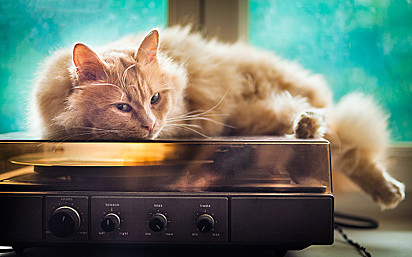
[(119, 94)]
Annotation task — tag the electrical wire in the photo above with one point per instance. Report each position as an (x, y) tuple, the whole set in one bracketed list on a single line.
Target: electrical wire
[(352, 221)]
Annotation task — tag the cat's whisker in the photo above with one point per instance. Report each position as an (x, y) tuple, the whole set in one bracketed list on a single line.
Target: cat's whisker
[(97, 84), (120, 80), (211, 109), (121, 98), (105, 84), (185, 127), (221, 100), (52, 135), (68, 137), (125, 74), (197, 113), (202, 118), (216, 122), (185, 117), (54, 132), (166, 86), (99, 134), (64, 139), (74, 135), (194, 113), (100, 130), (188, 125), (122, 85)]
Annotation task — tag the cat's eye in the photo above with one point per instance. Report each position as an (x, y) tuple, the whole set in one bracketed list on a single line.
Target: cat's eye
[(155, 98), (123, 107)]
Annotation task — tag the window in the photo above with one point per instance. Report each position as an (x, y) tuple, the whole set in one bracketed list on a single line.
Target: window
[(362, 46), (31, 30), (357, 45)]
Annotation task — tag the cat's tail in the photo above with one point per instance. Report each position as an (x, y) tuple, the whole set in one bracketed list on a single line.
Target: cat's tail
[(359, 137), (357, 119)]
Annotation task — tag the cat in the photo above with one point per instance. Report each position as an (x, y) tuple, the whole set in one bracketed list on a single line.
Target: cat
[(178, 84)]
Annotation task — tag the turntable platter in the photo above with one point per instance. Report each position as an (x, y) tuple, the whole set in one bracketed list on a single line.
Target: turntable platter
[(104, 155), (59, 159)]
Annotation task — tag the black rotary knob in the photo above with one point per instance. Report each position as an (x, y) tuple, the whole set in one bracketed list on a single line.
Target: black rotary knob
[(64, 222), (205, 223), (110, 222), (158, 222)]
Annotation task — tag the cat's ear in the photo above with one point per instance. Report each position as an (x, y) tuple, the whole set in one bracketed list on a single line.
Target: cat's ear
[(88, 65), (148, 48)]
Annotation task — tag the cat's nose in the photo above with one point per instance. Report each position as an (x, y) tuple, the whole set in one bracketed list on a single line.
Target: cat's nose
[(148, 123), (149, 127)]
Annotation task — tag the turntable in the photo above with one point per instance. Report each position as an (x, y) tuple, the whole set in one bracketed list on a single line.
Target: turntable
[(259, 191)]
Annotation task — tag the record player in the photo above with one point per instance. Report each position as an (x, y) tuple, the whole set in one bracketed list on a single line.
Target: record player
[(272, 192)]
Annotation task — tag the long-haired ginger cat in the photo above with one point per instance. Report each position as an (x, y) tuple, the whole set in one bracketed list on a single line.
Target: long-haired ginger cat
[(181, 85)]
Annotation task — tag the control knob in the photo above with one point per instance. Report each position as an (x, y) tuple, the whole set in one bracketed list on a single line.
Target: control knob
[(110, 222), (205, 223), (64, 222), (158, 222)]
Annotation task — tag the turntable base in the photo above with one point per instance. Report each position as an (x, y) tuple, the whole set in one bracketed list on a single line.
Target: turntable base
[(270, 193)]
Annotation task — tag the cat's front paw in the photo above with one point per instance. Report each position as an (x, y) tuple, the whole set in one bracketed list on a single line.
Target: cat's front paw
[(309, 124)]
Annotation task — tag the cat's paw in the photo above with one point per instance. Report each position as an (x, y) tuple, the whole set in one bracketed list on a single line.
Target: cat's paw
[(309, 124), (390, 195)]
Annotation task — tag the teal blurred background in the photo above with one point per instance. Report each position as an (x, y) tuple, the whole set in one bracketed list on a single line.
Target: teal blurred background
[(32, 30), (358, 45)]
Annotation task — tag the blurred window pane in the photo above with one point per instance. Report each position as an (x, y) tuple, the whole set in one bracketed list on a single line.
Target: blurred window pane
[(359, 45), (31, 30)]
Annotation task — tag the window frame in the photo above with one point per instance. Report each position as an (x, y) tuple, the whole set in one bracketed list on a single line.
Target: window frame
[(226, 20)]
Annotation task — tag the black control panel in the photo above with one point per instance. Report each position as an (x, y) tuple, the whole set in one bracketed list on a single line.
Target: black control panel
[(143, 219), (297, 221)]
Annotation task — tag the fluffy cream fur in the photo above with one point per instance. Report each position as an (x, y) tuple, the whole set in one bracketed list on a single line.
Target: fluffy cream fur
[(210, 88)]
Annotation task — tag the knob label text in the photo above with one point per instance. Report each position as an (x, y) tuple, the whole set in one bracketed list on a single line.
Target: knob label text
[(112, 204)]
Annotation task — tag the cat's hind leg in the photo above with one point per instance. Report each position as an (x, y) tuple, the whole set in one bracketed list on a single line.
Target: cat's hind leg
[(359, 138), (371, 176)]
